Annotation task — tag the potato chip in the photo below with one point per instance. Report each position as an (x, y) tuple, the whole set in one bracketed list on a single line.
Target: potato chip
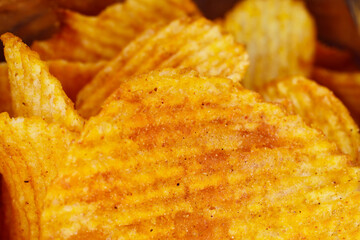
[(279, 35), (34, 91), (335, 59), (176, 155), (73, 76), (4, 212), (31, 151), (197, 44), (86, 38), (5, 96), (319, 108), (346, 85)]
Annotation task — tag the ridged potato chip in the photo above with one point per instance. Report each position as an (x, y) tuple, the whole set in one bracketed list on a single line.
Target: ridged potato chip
[(319, 108), (198, 44), (173, 155), (34, 91), (31, 151), (279, 36), (87, 38), (346, 85), (73, 76)]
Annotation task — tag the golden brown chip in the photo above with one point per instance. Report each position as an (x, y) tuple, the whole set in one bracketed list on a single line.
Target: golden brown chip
[(279, 35), (197, 44), (346, 86), (4, 211), (31, 151), (319, 108), (86, 38), (5, 96), (34, 91), (173, 155), (334, 58), (73, 76)]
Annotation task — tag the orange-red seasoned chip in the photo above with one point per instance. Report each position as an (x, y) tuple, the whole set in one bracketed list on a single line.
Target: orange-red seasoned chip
[(176, 155)]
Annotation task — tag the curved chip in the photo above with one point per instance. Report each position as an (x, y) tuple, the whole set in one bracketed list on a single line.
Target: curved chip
[(5, 96), (87, 38), (279, 35), (198, 44), (319, 108), (334, 58), (34, 91), (73, 76), (346, 86), (31, 151), (175, 155)]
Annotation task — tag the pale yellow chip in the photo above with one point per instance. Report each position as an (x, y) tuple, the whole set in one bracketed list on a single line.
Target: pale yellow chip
[(87, 38), (186, 43), (176, 155), (34, 91), (319, 108), (346, 86), (279, 35), (31, 151)]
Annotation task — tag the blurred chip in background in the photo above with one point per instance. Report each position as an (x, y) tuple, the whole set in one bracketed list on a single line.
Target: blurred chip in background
[(36, 19)]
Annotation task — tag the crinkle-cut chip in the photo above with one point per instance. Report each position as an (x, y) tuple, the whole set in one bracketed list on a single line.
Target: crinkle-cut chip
[(334, 58), (176, 155), (319, 108), (5, 96), (184, 43), (87, 38), (73, 76), (345, 85), (279, 35), (34, 91), (31, 151)]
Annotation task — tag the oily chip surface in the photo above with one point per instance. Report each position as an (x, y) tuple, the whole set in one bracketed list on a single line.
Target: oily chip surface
[(279, 36), (319, 108), (92, 38), (187, 43), (173, 155)]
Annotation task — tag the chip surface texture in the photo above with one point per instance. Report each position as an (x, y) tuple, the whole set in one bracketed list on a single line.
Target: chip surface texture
[(173, 155)]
